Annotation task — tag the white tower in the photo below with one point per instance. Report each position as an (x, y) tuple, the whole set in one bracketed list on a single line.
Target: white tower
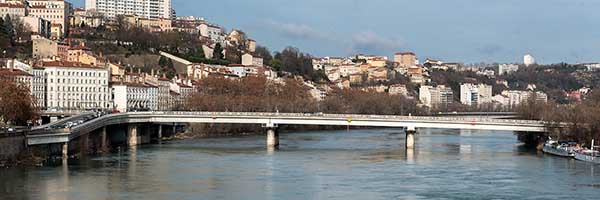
[(528, 60)]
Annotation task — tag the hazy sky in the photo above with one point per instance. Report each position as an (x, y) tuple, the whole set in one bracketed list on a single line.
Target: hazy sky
[(451, 30)]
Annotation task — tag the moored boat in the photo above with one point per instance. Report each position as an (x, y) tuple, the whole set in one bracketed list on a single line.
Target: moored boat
[(565, 149), (588, 155)]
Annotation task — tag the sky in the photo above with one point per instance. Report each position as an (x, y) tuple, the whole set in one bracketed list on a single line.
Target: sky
[(465, 31)]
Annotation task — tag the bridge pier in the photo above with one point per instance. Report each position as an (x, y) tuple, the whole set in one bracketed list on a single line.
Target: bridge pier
[(410, 137), (272, 137), (160, 134), (84, 144), (65, 150), (103, 140), (132, 135)]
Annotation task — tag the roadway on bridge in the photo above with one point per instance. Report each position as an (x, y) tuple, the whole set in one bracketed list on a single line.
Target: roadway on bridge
[(276, 119)]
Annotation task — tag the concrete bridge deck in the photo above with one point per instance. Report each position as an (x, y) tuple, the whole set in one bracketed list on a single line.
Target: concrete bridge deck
[(272, 120)]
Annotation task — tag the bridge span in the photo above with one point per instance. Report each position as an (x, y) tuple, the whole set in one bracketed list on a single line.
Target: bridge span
[(270, 121)]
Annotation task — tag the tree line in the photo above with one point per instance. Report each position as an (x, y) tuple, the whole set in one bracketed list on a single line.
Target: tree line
[(578, 122), (257, 94)]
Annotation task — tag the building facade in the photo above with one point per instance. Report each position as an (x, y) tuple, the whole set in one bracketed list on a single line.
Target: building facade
[(55, 11), (504, 69), (76, 86), (13, 9), (44, 48), (405, 59), (38, 87), (152, 9), (474, 95), (435, 96), (214, 33), (134, 96)]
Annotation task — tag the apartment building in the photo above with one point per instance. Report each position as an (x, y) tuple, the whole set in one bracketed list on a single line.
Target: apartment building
[(55, 11), (435, 96), (474, 95), (152, 9), (76, 86)]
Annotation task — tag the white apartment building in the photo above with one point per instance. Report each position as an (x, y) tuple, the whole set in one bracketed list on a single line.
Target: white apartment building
[(474, 95), (152, 9), (134, 96), (13, 9), (164, 94), (214, 33), (434, 96), (38, 87), (76, 86), (515, 97), (55, 11), (252, 60), (507, 69)]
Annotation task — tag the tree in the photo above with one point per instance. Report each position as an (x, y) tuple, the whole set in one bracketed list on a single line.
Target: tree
[(5, 40), (8, 27), (264, 53), (296, 62), (233, 54), (18, 111), (218, 52), (276, 64), (162, 61), (200, 52), (21, 29)]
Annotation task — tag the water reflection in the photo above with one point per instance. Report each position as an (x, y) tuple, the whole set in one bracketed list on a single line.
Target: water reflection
[(360, 164), (410, 156)]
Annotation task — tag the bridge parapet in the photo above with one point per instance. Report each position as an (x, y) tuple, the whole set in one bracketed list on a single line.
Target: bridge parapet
[(272, 120)]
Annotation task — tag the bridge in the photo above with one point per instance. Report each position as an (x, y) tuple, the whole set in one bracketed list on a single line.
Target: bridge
[(270, 121)]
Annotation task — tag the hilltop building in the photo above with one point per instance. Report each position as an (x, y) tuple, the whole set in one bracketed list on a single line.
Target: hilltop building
[(152, 9)]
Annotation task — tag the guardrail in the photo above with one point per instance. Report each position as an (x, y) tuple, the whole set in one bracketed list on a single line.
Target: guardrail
[(316, 116), (353, 116)]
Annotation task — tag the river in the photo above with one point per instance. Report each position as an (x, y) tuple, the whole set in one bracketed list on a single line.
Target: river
[(359, 164)]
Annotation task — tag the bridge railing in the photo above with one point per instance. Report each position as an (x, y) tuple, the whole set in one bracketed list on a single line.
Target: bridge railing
[(345, 116)]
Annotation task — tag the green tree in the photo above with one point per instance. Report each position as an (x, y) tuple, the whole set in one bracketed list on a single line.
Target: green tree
[(8, 27), (264, 53), (4, 36), (200, 52), (163, 61), (218, 52), (276, 64)]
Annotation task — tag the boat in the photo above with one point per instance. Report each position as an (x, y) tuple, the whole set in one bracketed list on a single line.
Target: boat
[(588, 155), (564, 149)]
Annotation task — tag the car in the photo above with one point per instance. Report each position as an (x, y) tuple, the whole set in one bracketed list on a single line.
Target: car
[(11, 130)]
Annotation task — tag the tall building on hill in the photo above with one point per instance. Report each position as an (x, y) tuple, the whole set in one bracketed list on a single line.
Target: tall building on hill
[(528, 60), (405, 59), (55, 11), (144, 8)]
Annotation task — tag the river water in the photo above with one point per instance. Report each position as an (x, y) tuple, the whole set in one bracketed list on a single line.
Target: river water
[(359, 164)]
